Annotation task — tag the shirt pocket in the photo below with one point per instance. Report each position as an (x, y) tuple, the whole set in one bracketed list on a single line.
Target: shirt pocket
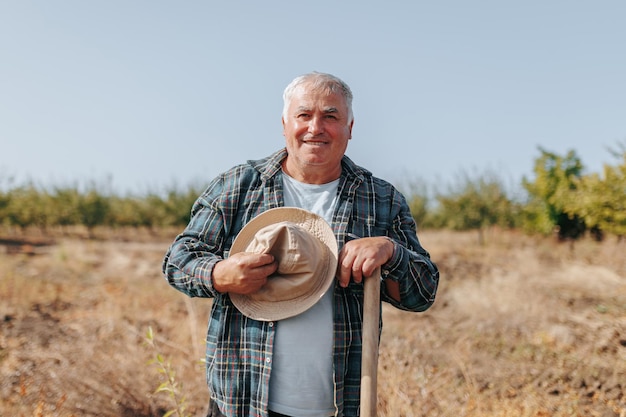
[(366, 226)]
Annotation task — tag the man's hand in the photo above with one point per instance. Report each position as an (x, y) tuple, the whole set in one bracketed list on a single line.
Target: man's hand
[(359, 258), (243, 273)]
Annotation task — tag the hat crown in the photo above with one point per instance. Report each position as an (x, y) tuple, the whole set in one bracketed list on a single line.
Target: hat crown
[(299, 255)]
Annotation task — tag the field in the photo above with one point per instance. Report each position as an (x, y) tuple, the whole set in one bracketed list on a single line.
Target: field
[(522, 326)]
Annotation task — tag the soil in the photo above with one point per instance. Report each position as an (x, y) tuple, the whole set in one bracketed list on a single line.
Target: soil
[(522, 326)]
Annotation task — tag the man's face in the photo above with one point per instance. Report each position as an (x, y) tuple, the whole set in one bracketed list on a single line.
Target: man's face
[(317, 129)]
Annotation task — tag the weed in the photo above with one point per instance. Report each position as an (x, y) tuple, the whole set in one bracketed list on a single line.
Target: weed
[(170, 386)]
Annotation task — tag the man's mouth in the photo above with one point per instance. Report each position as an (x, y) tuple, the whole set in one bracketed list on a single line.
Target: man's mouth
[(315, 142)]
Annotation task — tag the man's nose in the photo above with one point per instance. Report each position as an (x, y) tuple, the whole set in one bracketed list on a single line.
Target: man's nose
[(316, 125)]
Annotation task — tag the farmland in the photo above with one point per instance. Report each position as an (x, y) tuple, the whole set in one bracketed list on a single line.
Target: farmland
[(522, 326)]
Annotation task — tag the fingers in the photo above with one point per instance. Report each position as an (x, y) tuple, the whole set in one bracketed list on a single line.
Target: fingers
[(243, 273), (253, 263), (256, 260), (355, 269), (359, 258), (344, 273)]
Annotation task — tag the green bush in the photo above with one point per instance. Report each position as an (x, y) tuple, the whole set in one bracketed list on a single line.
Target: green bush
[(558, 199)]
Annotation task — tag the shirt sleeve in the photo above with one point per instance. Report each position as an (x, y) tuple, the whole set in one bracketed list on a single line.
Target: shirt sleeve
[(189, 261), (410, 265)]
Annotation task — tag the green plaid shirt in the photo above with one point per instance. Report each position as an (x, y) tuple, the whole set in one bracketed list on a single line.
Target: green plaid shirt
[(239, 349)]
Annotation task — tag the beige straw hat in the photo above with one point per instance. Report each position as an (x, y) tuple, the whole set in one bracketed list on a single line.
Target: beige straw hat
[(305, 247)]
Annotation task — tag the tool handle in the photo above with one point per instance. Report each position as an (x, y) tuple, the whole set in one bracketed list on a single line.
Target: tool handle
[(369, 363)]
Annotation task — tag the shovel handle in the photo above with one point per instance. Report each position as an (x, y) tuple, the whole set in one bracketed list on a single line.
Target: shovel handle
[(369, 363)]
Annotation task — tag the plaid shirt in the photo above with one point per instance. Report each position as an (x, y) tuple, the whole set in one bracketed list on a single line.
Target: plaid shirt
[(239, 349)]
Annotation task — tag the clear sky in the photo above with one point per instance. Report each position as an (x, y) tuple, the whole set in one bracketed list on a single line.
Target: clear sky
[(148, 94)]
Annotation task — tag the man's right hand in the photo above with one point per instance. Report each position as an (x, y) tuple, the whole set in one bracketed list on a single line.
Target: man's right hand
[(243, 273)]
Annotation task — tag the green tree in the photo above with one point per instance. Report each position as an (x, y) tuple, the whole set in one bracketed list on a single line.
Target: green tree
[(4, 203), (64, 206), (417, 196), (93, 209), (28, 206), (600, 200), (476, 204), (129, 211), (555, 182)]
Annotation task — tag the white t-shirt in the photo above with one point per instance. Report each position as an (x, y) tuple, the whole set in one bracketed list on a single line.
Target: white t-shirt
[(301, 382)]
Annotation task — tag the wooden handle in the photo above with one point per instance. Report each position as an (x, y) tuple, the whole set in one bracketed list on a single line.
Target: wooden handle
[(369, 363)]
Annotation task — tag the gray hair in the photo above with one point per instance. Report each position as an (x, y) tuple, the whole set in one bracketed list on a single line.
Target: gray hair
[(319, 80)]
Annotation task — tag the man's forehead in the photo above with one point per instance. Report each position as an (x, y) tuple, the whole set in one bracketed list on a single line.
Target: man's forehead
[(328, 102)]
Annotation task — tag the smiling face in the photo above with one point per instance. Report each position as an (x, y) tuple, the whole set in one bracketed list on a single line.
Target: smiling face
[(317, 127)]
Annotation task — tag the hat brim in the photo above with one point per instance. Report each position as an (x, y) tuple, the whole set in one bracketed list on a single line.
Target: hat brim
[(282, 309)]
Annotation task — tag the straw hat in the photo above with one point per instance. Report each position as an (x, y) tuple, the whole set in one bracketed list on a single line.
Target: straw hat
[(305, 247)]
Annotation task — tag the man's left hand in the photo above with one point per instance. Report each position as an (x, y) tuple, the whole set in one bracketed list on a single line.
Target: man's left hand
[(359, 258)]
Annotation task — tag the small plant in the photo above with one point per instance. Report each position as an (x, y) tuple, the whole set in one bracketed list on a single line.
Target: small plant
[(170, 386)]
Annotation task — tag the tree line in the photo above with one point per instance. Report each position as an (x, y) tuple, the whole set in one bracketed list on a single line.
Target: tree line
[(30, 205), (560, 199)]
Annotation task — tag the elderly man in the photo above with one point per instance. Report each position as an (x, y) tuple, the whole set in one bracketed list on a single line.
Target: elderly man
[(307, 364)]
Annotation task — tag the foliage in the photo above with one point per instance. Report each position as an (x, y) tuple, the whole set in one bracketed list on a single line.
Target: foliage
[(476, 204), (65, 210), (93, 209), (170, 386), (559, 199), (26, 206), (600, 200), (416, 192), (555, 181), (33, 206)]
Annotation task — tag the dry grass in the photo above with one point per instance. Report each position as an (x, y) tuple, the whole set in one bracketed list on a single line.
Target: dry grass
[(522, 327)]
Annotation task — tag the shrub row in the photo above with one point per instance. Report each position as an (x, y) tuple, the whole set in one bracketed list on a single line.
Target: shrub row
[(560, 198)]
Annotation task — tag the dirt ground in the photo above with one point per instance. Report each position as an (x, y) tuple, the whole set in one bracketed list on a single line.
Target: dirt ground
[(522, 326)]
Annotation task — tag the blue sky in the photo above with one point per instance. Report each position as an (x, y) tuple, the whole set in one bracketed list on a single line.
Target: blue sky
[(143, 95)]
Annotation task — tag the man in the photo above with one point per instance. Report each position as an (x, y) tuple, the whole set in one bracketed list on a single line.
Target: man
[(260, 368)]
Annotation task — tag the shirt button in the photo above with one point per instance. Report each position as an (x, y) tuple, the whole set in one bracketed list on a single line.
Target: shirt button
[(271, 324), (268, 360)]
